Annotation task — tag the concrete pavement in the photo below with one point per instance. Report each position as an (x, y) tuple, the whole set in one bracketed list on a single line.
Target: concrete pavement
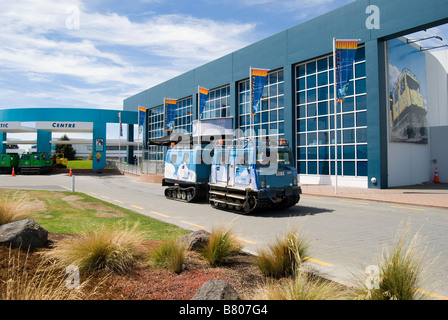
[(428, 195)]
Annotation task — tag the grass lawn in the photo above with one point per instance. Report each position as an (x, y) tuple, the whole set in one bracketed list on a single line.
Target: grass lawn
[(80, 164), (67, 212)]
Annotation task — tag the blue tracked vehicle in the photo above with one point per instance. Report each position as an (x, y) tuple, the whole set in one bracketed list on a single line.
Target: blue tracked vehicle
[(241, 176)]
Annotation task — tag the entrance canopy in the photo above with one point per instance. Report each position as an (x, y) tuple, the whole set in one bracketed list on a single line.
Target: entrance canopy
[(50, 120)]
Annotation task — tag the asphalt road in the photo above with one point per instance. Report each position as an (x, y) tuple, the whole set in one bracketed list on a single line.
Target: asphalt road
[(347, 236)]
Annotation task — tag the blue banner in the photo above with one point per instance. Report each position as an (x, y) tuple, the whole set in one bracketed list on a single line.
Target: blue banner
[(345, 56), (258, 79), (141, 118), (203, 96), (170, 114)]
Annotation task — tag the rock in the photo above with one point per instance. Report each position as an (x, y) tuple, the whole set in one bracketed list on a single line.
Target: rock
[(216, 290), (195, 241), (23, 234)]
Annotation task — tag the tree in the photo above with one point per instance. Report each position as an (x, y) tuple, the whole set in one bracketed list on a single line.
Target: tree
[(66, 149)]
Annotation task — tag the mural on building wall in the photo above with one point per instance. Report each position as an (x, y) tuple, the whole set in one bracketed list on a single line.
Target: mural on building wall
[(407, 85)]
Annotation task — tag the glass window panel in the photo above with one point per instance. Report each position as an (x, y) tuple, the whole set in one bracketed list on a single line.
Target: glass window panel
[(324, 153), (322, 64), (323, 108), (324, 167), (349, 168), (323, 137), (273, 115), (322, 79), (312, 153), (301, 111), (302, 167), (361, 151), (349, 152), (302, 126), (323, 93), (312, 139), (360, 54), (323, 123), (361, 135), (302, 139), (349, 120), (311, 95), (302, 153), (312, 167), (360, 70), (281, 114), (311, 82), (311, 67), (348, 105), (349, 136), (361, 86), (311, 110), (301, 97), (361, 103), (362, 168), (312, 124), (301, 70), (361, 119)]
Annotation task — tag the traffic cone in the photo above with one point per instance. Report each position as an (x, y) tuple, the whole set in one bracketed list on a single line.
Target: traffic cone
[(13, 172), (70, 174), (436, 177)]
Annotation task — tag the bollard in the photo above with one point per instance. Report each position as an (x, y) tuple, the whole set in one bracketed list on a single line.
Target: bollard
[(73, 183)]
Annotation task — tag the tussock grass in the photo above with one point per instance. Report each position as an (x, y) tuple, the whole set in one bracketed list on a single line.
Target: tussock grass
[(14, 207), (169, 255), (400, 271), (114, 249), (302, 286), (283, 257), (46, 282), (222, 245)]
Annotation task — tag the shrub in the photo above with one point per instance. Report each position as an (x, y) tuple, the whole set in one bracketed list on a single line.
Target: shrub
[(400, 271), (169, 255), (302, 286), (13, 208), (284, 256), (111, 249), (221, 246)]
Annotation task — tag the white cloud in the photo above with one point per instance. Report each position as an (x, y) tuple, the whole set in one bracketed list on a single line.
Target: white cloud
[(108, 53)]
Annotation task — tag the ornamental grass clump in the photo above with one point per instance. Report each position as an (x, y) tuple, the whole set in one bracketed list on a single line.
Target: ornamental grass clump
[(301, 286), (13, 207), (399, 275), (221, 246), (169, 255), (115, 249), (283, 257)]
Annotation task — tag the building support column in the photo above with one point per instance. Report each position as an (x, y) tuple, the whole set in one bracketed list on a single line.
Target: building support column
[(3, 146), (43, 141), (377, 108), (130, 149), (99, 146)]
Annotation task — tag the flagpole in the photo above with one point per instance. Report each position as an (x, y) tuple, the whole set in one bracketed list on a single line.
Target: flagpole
[(250, 103), (335, 118), (119, 138), (199, 117)]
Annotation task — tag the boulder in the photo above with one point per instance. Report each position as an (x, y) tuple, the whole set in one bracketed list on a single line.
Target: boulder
[(25, 234), (216, 290), (195, 241)]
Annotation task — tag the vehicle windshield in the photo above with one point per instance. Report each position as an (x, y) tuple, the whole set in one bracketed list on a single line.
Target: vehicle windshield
[(266, 157)]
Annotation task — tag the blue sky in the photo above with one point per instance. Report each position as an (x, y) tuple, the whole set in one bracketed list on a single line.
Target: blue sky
[(94, 54)]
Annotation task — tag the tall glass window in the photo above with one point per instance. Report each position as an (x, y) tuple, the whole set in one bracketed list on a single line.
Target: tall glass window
[(217, 105), (269, 120), (315, 119), (155, 120), (184, 115)]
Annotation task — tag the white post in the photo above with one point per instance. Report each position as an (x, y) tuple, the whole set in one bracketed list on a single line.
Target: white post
[(73, 183)]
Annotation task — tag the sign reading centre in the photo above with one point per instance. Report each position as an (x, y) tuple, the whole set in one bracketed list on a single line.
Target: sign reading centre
[(64, 126)]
